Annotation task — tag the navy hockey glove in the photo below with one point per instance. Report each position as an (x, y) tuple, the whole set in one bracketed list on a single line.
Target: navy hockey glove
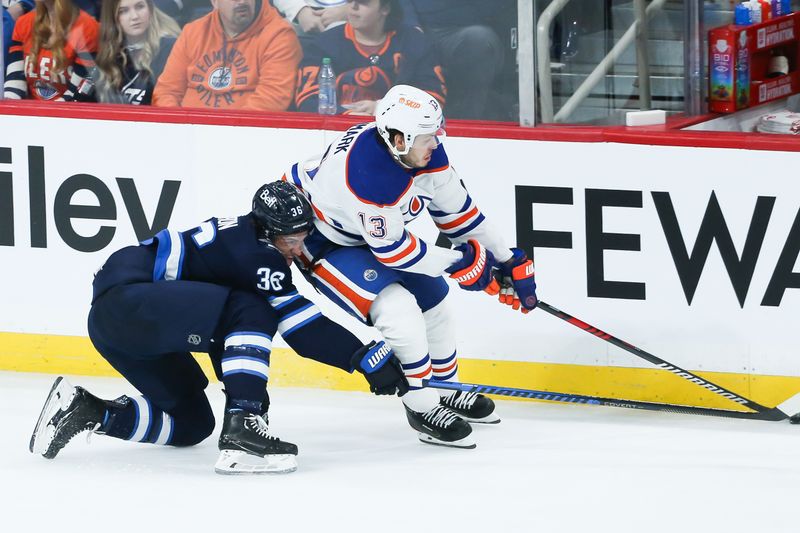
[(381, 368), (473, 271), (518, 282)]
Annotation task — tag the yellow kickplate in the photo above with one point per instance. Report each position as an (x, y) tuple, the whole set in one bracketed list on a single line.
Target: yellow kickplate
[(61, 354)]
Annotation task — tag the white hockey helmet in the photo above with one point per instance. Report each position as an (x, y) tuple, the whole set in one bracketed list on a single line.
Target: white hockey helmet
[(410, 111)]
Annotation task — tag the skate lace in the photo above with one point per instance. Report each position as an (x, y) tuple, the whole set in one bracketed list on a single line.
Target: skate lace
[(440, 416), (92, 430), (260, 426), (463, 400), (61, 440)]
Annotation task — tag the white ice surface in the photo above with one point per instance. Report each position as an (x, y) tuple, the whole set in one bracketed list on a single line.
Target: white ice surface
[(545, 468)]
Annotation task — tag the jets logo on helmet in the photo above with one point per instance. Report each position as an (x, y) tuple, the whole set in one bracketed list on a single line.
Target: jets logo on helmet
[(280, 208), (410, 111)]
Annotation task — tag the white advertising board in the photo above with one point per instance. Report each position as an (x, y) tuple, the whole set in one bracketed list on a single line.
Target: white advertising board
[(689, 253)]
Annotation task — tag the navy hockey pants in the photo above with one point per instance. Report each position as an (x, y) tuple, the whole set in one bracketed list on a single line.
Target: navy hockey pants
[(146, 331)]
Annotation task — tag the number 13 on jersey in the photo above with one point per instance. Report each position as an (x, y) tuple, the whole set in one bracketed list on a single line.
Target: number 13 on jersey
[(375, 226)]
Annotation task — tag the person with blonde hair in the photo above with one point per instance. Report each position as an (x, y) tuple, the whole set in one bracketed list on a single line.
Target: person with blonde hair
[(52, 50), (136, 39)]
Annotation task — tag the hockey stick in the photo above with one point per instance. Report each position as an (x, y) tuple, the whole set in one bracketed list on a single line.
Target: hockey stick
[(761, 412), (596, 400)]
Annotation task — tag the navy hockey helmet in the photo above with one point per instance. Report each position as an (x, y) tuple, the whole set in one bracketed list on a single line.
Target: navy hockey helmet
[(281, 209)]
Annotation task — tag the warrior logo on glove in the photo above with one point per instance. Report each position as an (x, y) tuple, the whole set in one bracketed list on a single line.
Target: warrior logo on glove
[(381, 368), (473, 271)]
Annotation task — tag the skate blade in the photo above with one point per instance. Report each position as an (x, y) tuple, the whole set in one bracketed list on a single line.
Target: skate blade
[(61, 395), (467, 442), (235, 462), (491, 418)]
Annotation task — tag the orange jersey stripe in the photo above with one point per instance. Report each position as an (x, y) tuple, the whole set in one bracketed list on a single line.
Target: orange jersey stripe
[(448, 368), (402, 254), (460, 220), (361, 303), (420, 375)]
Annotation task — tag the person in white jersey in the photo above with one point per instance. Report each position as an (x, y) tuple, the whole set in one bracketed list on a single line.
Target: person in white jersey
[(372, 181)]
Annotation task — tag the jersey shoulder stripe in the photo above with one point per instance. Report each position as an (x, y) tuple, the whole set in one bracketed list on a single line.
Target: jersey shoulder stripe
[(436, 213), (372, 175)]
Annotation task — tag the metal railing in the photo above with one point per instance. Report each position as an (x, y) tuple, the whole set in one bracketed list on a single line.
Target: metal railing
[(637, 32), (525, 63)]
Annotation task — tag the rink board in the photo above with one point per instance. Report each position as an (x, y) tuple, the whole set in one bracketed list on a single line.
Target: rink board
[(57, 354), (678, 250)]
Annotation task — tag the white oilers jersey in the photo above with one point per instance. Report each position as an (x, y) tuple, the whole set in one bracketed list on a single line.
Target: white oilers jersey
[(361, 195)]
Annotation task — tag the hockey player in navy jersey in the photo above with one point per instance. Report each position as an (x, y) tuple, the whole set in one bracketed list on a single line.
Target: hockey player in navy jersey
[(224, 288), (368, 185)]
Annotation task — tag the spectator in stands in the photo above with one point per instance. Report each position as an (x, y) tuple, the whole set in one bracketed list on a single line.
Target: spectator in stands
[(313, 16), (11, 12), (471, 51), (369, 54), (52, 49), (242, 55), (184, 11), (92, 7), (135, 41)]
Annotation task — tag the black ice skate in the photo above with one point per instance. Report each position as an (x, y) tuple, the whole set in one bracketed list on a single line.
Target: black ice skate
[(442, 427), (67, 411), (246, 447), (471, 406)]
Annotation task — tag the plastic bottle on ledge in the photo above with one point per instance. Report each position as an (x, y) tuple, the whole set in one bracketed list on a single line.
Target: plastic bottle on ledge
[(742, 15), (781, 7), (766, 10), (327, 88), (755, 11)]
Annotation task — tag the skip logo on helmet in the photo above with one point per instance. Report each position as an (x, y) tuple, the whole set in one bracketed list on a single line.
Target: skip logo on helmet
[(410, 103)]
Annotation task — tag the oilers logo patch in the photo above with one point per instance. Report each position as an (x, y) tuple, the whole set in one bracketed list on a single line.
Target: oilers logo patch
[(220, 78), (416, 205), (370, 275)]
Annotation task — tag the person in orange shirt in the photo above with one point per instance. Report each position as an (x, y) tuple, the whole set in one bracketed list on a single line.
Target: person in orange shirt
[(52, 51), (242, 55)]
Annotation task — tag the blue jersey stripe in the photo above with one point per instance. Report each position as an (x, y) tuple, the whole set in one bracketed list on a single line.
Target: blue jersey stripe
[(443, 361), (422, 362), (423, 248), (391, 247), (440, 214), (469, 228), (296, 178), (287, 302), (448, 376), (162, 254), (301, 324)]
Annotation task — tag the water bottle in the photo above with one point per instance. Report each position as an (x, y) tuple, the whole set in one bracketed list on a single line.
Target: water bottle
[(755, 11), (327, 88), (781, 8), (742, 15)]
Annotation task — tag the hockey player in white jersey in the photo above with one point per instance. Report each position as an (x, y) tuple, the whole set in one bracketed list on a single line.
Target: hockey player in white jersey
[(368, 185)]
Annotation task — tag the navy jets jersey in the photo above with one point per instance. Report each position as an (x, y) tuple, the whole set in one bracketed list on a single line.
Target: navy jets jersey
[(222, 251)]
